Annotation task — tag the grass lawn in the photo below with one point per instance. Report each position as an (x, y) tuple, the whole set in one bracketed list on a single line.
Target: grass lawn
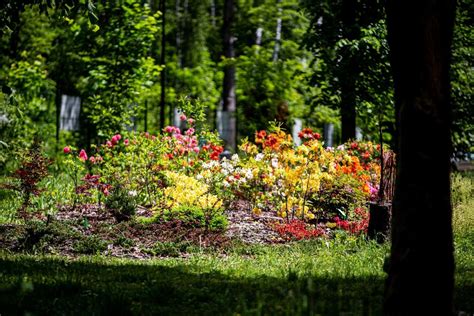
[(342, 276)]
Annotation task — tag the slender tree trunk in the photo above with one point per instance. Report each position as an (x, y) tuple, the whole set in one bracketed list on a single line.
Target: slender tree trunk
[(349, 73), (228, 95), (178, 33), (258, 36), (276, 48), (420, 273), (213, 13), (163, 63)]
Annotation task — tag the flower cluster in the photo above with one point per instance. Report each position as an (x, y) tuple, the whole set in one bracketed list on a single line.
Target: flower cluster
[(297, 229), (325, 188)]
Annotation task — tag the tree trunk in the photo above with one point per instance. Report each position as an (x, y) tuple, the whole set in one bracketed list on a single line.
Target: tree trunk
[(276, 48), (420, 273), (228, 95), (349, 73), (163, 63)]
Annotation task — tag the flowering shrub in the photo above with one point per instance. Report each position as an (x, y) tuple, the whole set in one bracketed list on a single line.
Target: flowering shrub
[(297, 229), (178, 174)]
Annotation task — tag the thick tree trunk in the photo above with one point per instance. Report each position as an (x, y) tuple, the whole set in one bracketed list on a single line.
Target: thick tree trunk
[(421, 268), (228, 96)]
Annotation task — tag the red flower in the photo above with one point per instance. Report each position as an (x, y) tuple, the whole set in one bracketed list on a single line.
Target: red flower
[(67, 150), (261, 134), (83, 155)]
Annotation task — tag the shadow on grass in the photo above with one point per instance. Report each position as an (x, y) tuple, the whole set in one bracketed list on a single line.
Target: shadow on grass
[(53, 286)]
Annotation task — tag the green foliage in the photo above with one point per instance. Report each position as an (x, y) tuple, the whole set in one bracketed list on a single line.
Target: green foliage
[(269, 89), (169, 249), (350, 45), (121, 204), (119, 66), (462, 80), (197, 216), (26, 110), (27, 178), (90, 245), (338, 198)]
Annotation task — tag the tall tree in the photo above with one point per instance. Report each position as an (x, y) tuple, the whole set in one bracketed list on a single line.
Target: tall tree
[(228, 96), (338, 38), (421, 269)]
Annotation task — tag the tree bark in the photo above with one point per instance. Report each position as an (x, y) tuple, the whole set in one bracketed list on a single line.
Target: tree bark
[(349, 73), (163, 63), (228, 95), (276, 48), (420, 36)]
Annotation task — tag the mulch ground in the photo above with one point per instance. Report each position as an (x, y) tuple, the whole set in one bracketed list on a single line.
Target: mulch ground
[(90, 226)]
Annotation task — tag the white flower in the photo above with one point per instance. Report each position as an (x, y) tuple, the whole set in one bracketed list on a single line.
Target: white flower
[(226, 184), (226, 165), (259, 157), (340, 147), (132, 193), (235, 158), (249, 174), (275, 163), (199, 177)]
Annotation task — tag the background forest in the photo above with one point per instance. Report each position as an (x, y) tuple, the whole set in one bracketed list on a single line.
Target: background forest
[(320, 64)]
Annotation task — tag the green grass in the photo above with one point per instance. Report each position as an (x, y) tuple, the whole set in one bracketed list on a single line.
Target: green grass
[(341, 277), (338, 277), (303, 278)]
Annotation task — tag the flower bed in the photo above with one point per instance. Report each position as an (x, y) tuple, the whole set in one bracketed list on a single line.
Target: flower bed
[(178, 176)]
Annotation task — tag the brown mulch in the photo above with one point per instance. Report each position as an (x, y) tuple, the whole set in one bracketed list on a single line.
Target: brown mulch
[(90, 221)]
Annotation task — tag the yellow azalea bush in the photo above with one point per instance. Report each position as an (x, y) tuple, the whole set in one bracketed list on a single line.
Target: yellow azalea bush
[(186, 190)]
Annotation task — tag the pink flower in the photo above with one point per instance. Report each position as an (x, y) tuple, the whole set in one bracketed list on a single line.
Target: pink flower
[(126, 142), (182, 117), (153, 137), (92, 159), (109, 143), (190, 131), (115, 139), (83, 155), (169, 129), (67, 150), (196, 149), (190, 121), (147, 135), (118, 136)]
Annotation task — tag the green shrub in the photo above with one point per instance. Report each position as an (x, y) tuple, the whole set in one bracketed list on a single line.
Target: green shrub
[(121, 204), (90, 245), (169, 249), (462, 189), (197, 216)]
